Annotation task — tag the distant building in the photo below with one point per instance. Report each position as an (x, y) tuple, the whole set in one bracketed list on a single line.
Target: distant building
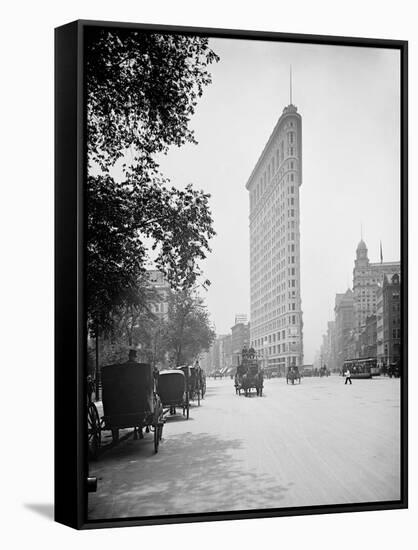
[(344, 322), (389, 322), (225, 351), (240, 337), (275, 296), (159, 303), (328, 348), (219, 356), (366, 280), (368, 338), (241, 318)]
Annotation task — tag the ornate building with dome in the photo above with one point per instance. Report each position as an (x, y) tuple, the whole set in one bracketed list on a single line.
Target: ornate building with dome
[(367, 279)]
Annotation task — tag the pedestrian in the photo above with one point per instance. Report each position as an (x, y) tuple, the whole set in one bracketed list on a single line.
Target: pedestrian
[(347, 375)]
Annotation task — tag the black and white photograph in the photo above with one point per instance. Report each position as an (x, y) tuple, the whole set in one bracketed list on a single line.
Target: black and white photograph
[(208, 298), (244, 276)]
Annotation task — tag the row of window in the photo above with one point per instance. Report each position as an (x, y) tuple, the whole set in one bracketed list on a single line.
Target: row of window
[(273, 165), (273, 338), (271, 325)]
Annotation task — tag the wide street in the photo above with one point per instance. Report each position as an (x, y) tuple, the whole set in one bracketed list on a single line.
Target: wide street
[(319, 442)]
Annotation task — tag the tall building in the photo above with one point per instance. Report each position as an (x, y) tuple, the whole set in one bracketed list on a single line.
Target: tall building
[(389, 322), (344, 322), (240, 337), (159, 302), (368, 338), (276, 309), (241, 318), (219, 356), (367, 277), (328, 353)]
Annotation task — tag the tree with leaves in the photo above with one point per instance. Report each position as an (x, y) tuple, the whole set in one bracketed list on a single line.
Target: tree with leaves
[(142, 90), (188, 328)]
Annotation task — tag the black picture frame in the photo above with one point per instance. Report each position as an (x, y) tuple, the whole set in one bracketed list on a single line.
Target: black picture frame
[(70, 319)]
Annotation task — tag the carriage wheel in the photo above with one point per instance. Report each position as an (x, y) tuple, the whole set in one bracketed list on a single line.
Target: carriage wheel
[(156, 438), (115, 435), (94, 432)]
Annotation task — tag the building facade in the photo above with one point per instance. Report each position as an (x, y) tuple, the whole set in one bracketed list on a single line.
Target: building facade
[(159, 302), (389, 322), (367, 277), (240, 337), (273, 187), (219, 356), (328, 348), (344, 322), (241, 318), (367, 339)]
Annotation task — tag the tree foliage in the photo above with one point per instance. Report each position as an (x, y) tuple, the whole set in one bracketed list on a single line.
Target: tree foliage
[(142, 89), (188, 328)]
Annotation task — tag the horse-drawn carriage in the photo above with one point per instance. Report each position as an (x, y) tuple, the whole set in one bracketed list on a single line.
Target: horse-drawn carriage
[(129, 401), (173, 391), (292, 374), (196, 384), (249, 374), (324, 371)]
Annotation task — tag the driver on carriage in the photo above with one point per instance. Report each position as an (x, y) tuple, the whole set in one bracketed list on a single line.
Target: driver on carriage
[(132, 357)]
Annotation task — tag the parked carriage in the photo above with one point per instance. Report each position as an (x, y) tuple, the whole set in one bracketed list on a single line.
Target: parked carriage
[(202, 383), (249, 374), (173, 391), (194, 382), (129, 401), (292, 375), (323, 371)]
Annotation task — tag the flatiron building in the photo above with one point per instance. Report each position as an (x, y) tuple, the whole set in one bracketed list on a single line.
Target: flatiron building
[(274, 187)]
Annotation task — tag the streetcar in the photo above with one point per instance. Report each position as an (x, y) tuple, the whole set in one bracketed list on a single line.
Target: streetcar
[(362, 368)]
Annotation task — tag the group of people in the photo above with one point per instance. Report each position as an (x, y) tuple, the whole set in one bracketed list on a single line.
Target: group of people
[(248, 353)]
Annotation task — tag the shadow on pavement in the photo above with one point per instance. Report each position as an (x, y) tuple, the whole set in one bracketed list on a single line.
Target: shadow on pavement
[(191, 473), (177, 418), (42, 509), (212, 390)]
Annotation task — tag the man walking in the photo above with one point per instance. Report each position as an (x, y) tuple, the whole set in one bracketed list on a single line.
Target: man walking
[(347, 375)]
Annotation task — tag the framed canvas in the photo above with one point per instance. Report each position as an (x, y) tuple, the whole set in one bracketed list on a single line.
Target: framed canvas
[(231, 274)]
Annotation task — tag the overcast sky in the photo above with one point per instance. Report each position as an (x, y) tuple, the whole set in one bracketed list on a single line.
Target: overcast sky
[(349, 102)]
